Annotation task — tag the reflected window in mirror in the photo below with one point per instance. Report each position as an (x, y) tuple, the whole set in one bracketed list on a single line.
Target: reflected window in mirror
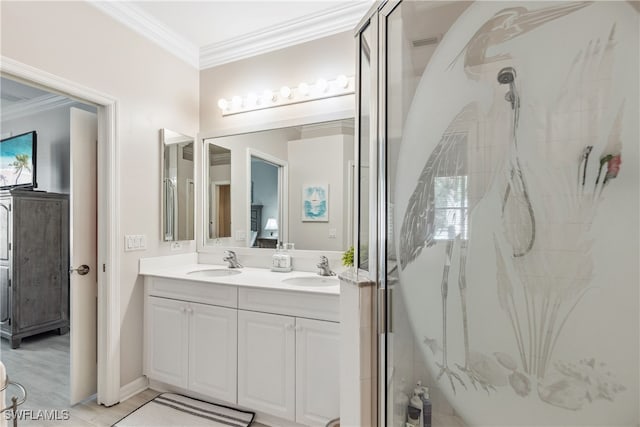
[(219, 173), (320, 154), (177, 188)]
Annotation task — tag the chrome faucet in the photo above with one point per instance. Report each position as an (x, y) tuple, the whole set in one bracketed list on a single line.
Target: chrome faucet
[(230, 257), (323, 265)]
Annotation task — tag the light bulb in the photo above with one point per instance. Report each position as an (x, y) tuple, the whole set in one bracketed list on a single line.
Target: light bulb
[(236, 101), (342, 81), (252, 99), (303, 88), (285, 92), (222, 104), (322, 85), (268, 96)]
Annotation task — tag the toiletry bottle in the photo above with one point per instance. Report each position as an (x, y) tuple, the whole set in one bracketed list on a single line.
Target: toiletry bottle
[(286, 257), (275, 259), (415, 409), (426, 405)]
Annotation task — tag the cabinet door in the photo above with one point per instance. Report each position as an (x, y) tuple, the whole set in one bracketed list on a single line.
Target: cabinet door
[(266, 363), (213, 349), (167, 341), (317, 371)]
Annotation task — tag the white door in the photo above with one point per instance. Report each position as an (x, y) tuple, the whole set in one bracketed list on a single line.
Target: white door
[(266, 363), (83, 286), (167, 343), (317, 371), (213, 349)]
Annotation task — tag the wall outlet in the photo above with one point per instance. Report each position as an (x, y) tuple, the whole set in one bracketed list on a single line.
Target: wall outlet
[(135, 242), (333, 233), (176, 246)]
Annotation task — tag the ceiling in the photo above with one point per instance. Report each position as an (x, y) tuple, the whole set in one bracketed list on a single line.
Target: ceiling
[(213, 32)]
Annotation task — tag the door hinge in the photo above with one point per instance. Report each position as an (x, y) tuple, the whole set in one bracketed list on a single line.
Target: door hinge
[(9, 245), (104, 268), (9, 282)]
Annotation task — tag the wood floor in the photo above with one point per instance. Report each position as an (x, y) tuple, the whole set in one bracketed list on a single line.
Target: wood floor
[(41, 365)]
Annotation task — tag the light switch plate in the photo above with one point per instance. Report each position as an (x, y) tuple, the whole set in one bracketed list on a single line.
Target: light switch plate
[(135, 242), (241, 235)]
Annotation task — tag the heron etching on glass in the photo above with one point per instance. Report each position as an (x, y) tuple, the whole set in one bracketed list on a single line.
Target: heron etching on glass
[(449, 159)]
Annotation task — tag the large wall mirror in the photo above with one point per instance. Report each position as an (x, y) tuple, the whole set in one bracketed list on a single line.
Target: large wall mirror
[(289, 185), (177, 189)]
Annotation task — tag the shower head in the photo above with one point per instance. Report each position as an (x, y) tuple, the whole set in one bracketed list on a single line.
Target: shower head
[(507, 75)]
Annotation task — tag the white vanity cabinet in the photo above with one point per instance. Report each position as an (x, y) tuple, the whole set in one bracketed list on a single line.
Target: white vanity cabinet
[(271, 350), (288, 365), (190, 344), (267, 363), (317, 371)]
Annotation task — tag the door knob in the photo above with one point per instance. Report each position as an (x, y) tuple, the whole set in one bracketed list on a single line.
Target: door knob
[(82, 270)]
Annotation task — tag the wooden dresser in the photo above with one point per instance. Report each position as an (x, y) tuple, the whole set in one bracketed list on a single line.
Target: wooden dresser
[(34, 264)]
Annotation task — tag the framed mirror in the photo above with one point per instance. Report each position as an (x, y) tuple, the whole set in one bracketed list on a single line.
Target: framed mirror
[(177, 186), (291, 184)]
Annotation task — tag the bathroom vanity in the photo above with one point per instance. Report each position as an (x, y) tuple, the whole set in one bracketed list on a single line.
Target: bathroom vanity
[(250, 337)]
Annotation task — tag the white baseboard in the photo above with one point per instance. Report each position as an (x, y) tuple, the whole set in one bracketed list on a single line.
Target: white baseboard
[(134, 387)]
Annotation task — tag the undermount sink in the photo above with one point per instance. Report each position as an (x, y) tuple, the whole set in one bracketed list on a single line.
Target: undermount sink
[(217, 272), (312, 281)]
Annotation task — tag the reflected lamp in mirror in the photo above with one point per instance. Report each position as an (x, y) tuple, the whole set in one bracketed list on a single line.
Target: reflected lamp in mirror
[(272, 227), (177, 186)]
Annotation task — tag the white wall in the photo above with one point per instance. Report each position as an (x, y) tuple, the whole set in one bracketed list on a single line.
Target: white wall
[(154, 90)]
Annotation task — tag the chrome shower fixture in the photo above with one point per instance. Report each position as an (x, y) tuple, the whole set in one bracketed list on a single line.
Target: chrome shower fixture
[(508, 76)]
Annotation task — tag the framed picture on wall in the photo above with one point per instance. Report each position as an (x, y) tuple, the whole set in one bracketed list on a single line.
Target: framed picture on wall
[(315, 203)]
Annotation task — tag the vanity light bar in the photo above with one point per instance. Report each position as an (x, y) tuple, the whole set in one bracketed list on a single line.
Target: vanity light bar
[(305, 92)]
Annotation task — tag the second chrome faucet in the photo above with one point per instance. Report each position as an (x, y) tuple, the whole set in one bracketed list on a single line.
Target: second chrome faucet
[(323, 265)]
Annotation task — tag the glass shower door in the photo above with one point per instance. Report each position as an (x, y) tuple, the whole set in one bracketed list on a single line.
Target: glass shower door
[(412, 32), (509, 190)]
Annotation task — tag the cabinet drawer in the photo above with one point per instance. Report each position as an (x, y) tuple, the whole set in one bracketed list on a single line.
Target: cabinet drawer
[(206, 293), (312, 306)]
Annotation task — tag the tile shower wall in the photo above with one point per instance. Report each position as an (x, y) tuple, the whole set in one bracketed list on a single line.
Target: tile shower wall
[(512, 187)]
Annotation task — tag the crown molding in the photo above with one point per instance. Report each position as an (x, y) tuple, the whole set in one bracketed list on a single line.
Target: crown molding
[(289, 33), (34, 106), (136, 19), (335, 127)]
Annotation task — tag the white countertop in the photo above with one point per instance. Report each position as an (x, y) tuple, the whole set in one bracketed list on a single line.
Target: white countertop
[(249, 276)]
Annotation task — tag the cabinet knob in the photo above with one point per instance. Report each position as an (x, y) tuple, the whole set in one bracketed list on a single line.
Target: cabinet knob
[(289, 326), (190, 310), (183, 309)]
